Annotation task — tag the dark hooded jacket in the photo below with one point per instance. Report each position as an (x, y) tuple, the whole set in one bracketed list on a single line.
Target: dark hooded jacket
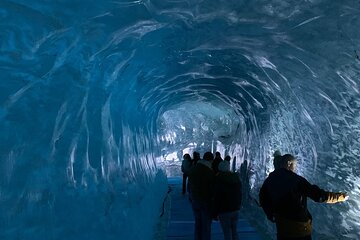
[(201, 180), (215, 164), (284, 194), (227, 193)]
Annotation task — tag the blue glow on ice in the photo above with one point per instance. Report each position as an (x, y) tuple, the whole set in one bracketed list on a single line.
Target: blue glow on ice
[(96, 94)]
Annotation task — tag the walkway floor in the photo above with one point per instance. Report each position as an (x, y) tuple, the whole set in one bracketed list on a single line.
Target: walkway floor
[(181, 226)]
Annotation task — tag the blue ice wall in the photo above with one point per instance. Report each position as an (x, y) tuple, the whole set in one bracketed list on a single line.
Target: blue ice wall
[(94, 94)]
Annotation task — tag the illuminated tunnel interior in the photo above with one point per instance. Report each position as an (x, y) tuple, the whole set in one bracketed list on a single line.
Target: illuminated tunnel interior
[(98, 96)]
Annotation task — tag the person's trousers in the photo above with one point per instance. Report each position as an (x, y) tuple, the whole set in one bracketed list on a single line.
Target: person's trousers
[(202, 220), (228, 222), (288, 229), (185, 176)]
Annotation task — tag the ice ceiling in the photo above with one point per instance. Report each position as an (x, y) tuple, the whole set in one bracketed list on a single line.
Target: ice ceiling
[(94, 93)]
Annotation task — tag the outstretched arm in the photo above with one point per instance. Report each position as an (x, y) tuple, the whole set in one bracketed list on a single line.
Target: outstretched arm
[(319, 195), (335, 197)]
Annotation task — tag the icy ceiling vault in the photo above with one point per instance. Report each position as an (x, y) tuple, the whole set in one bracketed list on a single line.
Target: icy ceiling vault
[(93, 92)]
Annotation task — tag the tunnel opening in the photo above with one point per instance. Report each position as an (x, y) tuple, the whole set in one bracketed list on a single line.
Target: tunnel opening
[(199, 126)]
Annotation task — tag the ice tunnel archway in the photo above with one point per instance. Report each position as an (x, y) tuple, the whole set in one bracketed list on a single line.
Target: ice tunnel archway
[(92, 94)]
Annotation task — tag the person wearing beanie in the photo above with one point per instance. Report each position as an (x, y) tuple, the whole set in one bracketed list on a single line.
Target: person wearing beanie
[(227, 200), (201, 181), (283, 197)]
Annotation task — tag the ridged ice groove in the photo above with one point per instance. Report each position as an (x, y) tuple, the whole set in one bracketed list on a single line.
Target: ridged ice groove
[(95, 95)]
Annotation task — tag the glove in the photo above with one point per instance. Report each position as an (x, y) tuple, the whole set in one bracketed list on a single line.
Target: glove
[(336, 197)]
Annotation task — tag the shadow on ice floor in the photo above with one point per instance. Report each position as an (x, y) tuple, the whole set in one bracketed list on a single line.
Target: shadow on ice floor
[(181, 222)]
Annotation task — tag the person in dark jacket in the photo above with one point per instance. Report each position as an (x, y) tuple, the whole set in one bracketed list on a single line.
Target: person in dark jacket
[(283, 197), (196, 157), (186, 166), (277, 159), (227, 200), (201, 181), (216, 162)]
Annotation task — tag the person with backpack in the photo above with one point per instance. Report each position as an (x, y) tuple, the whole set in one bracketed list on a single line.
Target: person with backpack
[(227, 200), (201, 180)]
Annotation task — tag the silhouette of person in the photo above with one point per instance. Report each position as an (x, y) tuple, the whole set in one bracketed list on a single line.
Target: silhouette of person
[(201, 180), (186, 165), (216, 162), (233, 166), (244, 176), (283, 197), (227, 200), (196, 157), (244, 170), (277, 159)]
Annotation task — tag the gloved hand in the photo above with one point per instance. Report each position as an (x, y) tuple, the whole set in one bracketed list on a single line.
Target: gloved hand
[(343, 197), (336, 197)]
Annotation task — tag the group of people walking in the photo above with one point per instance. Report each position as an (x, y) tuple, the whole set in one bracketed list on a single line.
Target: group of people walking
[(215, 193)]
